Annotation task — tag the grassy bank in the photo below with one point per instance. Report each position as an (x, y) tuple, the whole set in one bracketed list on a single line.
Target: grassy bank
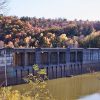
[(69, 88)]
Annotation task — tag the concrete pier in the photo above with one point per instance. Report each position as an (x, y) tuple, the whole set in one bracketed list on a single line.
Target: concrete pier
[(59, 62)]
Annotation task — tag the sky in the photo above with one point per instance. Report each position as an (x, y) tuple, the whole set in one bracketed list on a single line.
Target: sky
[(69, 9)]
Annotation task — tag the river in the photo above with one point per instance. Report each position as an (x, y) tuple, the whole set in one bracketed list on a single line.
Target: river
[(81, 87)]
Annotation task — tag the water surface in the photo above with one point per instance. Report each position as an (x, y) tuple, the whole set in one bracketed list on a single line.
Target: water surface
[(95, 96), (76, 87), (81, 87)]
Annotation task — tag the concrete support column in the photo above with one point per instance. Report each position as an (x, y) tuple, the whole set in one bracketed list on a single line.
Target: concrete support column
[(38, 56), (84, 55), (88, 53), (49, 54), (14, 59), (76, 56), (26, 59), (58, 57), (67, 56), (99, 55)]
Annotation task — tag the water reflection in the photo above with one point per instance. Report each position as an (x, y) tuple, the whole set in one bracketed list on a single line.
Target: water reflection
[(92, 97), (75, 87)]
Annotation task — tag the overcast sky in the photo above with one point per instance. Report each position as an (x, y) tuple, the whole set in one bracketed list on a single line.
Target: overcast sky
[(70, 9)]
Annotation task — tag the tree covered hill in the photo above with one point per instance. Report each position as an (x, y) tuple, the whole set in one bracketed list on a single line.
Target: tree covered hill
[(40, 32)]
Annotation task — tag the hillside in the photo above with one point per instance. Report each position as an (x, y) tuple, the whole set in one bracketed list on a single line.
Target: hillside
[(41, 32)]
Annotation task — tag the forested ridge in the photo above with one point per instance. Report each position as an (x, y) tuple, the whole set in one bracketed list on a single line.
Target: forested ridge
[(41, 32)]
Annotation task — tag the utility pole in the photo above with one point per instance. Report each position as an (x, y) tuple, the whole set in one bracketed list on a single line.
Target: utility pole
[(5, 56)]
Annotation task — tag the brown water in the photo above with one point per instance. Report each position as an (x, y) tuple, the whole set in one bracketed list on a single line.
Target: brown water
[(82, 87), (73, 88)]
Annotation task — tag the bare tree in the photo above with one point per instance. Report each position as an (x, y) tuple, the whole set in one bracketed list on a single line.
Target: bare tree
[(3, 5)]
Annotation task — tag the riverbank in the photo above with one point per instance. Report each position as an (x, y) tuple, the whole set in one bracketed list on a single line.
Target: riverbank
[(70, 88)]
